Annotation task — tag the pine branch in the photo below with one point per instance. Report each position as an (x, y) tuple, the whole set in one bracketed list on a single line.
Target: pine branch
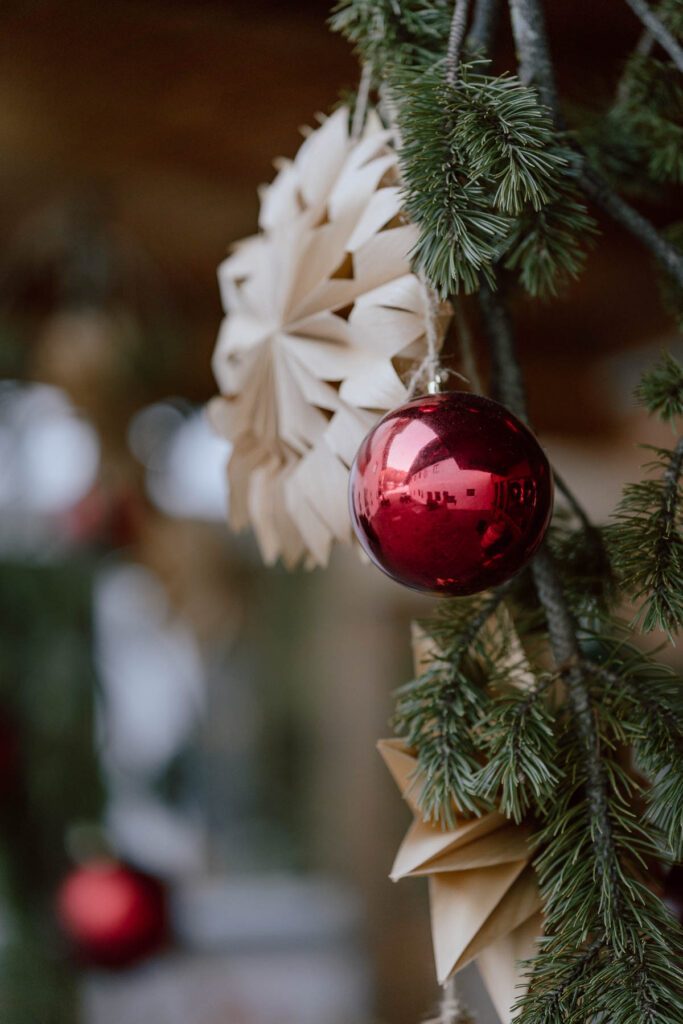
[(647, 546), (607, 949), (646, 539), (439, 713), (385, 32), (599, 916), (611, 950), (533, 56), (573, 502), (518, 744), (456, 38), (582, 560), (509, 138), (548, 247), (566, 650), (647, 701), (461, 233), (483, 25), (646, 121), (490, 179), (661, 389), (637, 225), (561, 628), (658, 31), (506, 375)]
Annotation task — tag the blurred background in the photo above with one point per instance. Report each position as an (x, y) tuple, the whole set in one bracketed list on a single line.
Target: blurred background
[(186, 738)]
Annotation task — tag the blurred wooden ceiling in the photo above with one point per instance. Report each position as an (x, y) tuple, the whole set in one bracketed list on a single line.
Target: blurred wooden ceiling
[(174, 111)]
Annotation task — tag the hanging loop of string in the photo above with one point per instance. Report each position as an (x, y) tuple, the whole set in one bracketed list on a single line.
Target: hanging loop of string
[(451, 1009), (430, 367), (428, 373)]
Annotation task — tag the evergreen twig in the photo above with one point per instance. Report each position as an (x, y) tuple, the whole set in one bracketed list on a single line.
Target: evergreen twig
[(647, 699), (492, 182), (535, 67), (647, 543), (647, 538), (437, 712), (620, 211), (658, 30), (484, 22), (518, 744), (534, 55), (561, 628), (456, 38), (506, 376), (592, 816)]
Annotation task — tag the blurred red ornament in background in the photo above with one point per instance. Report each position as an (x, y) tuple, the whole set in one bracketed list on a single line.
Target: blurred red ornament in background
[(112, 914), (451, 494), (111, 517)]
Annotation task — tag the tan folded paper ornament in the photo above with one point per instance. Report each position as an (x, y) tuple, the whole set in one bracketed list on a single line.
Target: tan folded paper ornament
[(484, 898), (319, 307)]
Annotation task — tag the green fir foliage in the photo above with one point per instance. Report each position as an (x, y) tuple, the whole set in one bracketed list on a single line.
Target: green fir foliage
[(386, 31), (438, 713), (537, 700), (648, 114), (646, 699), (487, 180), (661, 389), (611, 951), (638, 141), (645, 539), (517, 738)]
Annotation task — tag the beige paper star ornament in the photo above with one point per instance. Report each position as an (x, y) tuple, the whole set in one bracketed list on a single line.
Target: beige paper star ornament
[(321, 308), (484, 898)]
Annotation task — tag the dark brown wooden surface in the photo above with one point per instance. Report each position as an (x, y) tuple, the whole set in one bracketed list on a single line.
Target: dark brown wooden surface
[(173, 112)]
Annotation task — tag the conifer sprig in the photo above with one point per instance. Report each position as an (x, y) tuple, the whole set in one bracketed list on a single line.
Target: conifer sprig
[(648, 116), (661, 389), (385, 32), (610, 950), (647, 699), (439, 712), (646, 538), (487, 178), (517, 740), (492, 180)]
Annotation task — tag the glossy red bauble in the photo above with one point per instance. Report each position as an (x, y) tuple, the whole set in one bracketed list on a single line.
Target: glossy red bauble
[(112, 914), (450, 494)]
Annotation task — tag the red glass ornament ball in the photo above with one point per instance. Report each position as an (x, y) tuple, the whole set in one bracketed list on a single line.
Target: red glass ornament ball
[(450, 494), (111, 913)]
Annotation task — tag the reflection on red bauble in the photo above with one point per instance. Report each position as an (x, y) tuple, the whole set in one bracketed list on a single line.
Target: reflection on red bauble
[(450, 494), (111, 913)]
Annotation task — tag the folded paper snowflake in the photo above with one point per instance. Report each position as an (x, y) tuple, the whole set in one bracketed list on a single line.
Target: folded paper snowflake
[(484, 898), (321, 307)]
